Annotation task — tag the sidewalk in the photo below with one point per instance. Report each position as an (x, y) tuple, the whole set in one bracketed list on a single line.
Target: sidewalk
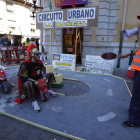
[(21, 131)]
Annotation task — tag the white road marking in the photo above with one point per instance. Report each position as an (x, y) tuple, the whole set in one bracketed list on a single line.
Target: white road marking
[(107, 80), (79, 75), (109, 92), (54, 108), (107, 117)]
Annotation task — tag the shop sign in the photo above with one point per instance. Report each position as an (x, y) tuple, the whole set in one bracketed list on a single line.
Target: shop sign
[(96, 64), (68, 18), (69, 2), (64, 61), (86, 13), (50, 16), (71, 24), (47, 24)]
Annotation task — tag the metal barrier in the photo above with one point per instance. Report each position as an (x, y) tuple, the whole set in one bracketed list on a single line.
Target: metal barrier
[(13, 54)]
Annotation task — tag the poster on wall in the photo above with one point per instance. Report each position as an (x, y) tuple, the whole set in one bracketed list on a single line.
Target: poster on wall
[(69, 2), (64, 61), (68, 40), (95, 64)]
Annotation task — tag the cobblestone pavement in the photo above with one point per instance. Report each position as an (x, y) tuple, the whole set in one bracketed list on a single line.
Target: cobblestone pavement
[(11, 129)]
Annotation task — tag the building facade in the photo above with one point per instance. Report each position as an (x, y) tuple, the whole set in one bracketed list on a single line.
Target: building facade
[(15, 19), (114, 16)]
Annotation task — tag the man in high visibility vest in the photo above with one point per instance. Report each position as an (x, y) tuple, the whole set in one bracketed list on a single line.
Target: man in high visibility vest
[(134, 109)]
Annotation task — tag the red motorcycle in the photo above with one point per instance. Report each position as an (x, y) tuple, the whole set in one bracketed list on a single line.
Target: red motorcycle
[(5, 86)]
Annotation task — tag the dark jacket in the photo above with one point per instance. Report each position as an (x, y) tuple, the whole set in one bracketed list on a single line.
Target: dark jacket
[(15, 42), (5, 42)]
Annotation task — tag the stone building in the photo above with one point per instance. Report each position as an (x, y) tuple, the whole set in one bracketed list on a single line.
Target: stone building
[(15, 19), (114, 16)]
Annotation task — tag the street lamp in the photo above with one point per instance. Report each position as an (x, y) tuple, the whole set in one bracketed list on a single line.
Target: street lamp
[(34, 7), (33, 11)]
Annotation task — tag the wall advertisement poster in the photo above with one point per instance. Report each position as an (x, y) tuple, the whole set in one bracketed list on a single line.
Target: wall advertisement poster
[(64, 61), (96, 64)]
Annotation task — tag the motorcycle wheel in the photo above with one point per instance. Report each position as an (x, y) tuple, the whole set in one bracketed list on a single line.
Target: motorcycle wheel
[(5, 87)]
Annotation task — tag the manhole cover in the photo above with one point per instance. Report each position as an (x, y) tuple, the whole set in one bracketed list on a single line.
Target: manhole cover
[(73, 88)]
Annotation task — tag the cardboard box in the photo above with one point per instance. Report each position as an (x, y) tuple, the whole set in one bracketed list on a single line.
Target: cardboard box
[(58, 78), (49, 68)]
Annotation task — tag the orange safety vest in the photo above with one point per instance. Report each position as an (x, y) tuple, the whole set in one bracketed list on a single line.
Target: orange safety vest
[(136, 61)]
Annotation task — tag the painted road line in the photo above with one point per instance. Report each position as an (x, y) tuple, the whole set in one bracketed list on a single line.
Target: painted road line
[(61, 94), (109, 92), (42, 127), (107, 80), (70, 79), (117, 77), (107, 117), (128, 88), (93, 73)]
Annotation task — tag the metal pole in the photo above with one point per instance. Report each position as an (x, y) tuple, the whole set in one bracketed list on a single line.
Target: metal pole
[(50, 46), (120, 50), (75, 48)]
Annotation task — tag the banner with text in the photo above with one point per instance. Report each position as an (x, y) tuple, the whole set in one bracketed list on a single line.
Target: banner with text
[(96, 64), (65, 18), (64, 61)]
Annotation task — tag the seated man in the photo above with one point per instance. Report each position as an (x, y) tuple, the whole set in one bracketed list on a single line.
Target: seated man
[(32, 70)]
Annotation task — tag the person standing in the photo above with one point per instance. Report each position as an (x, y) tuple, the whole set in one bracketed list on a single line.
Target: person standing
[(27, 42), (32, 41), (134, 109), (37, 44), (19, 42), (5, 42), (15, 41), (15, 44)]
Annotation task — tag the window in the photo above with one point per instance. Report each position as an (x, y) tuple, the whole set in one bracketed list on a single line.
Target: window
[(32, 27), (9, 7)]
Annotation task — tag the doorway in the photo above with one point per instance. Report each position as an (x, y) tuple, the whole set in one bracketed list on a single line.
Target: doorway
[(69, 42)]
